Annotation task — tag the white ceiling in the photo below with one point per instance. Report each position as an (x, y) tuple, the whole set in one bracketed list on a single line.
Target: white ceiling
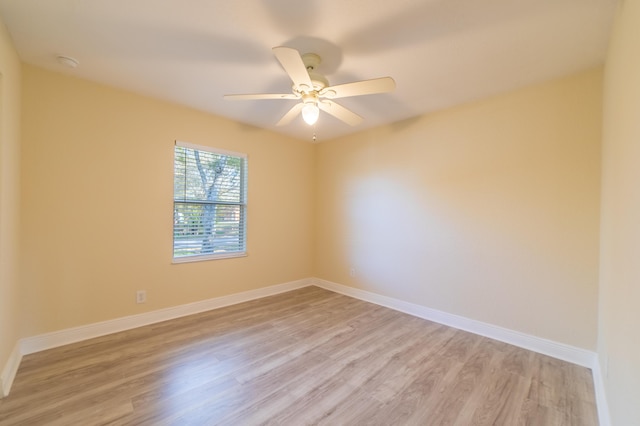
[(440, 52)]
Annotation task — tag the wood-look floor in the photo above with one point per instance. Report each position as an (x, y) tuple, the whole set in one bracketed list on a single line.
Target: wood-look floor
[(305, 357)]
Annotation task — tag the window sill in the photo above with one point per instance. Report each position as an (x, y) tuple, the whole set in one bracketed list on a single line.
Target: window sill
[(190, 259)]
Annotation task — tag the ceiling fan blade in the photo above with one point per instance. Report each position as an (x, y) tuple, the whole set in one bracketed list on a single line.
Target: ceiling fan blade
[(340, 112), (289, 116), (260, 96), (358, 88), (291, 61)]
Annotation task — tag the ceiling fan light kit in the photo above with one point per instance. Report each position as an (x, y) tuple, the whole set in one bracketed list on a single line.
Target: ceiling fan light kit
[(310, 113), (313, 90)]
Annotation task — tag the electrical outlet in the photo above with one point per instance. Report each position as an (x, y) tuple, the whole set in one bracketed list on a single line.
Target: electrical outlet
[(141, 296), (352, 272)]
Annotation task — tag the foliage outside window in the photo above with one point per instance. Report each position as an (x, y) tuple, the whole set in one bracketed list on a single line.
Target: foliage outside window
[(209, 203)]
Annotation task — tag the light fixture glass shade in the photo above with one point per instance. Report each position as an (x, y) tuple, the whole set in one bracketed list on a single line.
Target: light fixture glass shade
[(310, 113)]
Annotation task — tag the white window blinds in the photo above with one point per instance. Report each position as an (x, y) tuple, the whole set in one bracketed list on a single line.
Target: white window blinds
[(209, 203)]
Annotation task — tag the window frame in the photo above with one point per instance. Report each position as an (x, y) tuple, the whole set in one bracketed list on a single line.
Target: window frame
[(242, 204)]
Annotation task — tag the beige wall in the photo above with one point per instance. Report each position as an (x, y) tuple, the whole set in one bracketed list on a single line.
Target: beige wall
[(619, 326), (489, 211), (9, 196), (97, 204)]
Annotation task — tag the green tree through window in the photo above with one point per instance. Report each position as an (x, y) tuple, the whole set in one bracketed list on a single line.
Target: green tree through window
[(209, 203)]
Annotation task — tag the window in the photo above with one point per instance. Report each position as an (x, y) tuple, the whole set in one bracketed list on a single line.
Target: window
[(209, 203)]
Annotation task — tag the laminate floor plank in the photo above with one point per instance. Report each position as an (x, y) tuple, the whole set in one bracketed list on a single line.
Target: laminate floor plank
[(372, 361), (368, 354), (308, 356), (457, 391), (381, 389)]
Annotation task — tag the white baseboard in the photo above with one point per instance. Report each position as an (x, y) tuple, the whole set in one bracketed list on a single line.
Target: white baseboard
[(63, 337), (71, 335), (561, 351), (9, 371), (601, 397)]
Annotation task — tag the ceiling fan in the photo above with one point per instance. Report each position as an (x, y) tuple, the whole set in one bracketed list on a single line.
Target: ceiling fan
[(314, 91)]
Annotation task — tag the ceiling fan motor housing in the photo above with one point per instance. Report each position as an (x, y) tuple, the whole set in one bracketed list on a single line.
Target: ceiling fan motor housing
[(311, 62), (319, 81)]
